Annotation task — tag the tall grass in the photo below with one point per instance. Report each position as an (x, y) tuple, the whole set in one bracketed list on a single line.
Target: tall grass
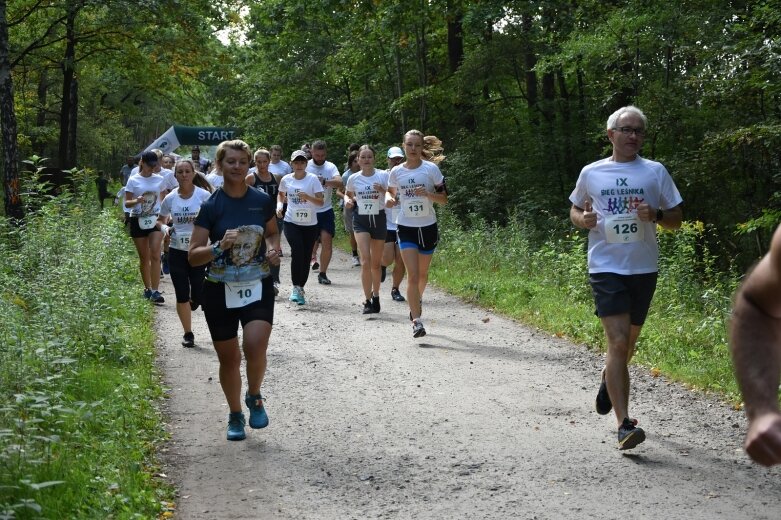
[(543, 281), (78, 386)]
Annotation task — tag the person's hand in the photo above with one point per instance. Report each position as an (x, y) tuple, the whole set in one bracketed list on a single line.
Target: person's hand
[(421, 191), (280, 213), (589, 216), (228, 239), (763, 440), (379, 187), (349, 203), (272, 255), (646, 213)]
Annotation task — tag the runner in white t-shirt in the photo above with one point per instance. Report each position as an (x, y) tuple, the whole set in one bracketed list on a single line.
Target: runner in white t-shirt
[(329, 177), (392, 253), (143, 193), (418, 184), (278, 167), (303, 193), (347, 212), (621, 200), (179, 208), (365, 194)]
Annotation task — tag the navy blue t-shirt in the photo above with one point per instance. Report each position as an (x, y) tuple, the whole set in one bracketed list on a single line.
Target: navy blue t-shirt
[(249, 214)]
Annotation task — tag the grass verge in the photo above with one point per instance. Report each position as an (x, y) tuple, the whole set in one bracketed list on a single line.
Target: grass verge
[(79, 424)]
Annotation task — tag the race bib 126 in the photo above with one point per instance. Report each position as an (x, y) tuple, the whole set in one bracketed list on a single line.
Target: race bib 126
[(623, 229)]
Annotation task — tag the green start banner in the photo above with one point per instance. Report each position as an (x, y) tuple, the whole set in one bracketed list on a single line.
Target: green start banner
[(177, 136)]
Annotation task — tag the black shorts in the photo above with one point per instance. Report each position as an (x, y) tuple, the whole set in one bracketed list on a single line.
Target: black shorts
[(137, 232), (424, 239), (390, 236), (375, 225), (326, 221), (223, 322), (621, 294), (187, 280)]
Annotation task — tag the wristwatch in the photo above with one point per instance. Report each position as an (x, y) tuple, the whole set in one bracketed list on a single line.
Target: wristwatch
[(216, 251), (659, 215)]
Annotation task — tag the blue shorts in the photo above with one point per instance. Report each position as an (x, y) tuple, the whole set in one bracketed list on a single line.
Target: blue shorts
[(326, 221), (424, 239)]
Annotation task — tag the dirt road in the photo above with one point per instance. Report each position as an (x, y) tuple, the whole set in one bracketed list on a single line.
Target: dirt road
[(482, 418)]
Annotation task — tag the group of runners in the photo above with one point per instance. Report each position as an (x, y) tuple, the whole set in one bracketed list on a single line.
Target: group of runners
[(222, 235), (225, 252)]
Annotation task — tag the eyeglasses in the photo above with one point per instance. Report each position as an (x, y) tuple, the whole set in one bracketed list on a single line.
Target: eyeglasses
[(628, 130)]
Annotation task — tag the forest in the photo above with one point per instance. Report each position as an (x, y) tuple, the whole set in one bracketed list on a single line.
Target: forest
[(518, 91)]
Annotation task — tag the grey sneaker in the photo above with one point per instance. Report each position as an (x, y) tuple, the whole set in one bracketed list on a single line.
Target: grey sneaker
[(418, 330), (629, 435)]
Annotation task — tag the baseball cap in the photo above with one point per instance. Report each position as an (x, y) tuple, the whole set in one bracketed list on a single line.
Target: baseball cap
[(149, 158), (298, 154), (395, 151)]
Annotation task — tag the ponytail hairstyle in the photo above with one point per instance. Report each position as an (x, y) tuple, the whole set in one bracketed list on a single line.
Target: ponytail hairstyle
[(432, 149)]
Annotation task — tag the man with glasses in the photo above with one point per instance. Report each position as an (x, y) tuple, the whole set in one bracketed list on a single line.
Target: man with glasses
[(620, 200)]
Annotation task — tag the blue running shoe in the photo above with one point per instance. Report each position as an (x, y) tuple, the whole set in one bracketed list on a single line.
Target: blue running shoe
[(258, 418), (147, 293), (236, 427)]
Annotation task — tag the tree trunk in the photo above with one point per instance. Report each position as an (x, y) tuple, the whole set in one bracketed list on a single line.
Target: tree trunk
[(455, 35), (13, 202), (530, 61), (73, 121), (39, 145), (68, 75)]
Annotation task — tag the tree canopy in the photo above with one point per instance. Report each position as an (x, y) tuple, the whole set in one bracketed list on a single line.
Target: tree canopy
[(519, 91)]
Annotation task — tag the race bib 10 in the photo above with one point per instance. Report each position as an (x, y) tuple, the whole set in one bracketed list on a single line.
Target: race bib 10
[(241, 294)]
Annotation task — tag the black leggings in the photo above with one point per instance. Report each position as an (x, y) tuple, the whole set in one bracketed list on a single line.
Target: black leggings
[(187, 280), (301, 239)]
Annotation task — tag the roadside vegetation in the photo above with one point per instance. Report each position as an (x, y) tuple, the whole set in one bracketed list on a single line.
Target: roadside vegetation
[(542, 280), (79, 422)]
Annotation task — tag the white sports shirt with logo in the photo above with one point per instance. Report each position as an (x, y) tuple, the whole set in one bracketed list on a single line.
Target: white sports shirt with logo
[(620, 243)]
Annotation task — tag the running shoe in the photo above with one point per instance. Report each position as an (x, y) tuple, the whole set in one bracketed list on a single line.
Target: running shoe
[(276, 288), (301, 296), (166, 267), (396, 295), (323, 279), (367, 307), (356, 262), (236, 426), (147, 293), (156, 297), (383, 273), (629, 435), (418, 330), (188, 340), (257, 412), (376, 303), (295, 294), (315, 264), (603, 404)]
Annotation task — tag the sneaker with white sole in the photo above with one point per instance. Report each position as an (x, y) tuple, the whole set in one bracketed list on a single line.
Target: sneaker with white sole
[(356, 262), (418, 330)]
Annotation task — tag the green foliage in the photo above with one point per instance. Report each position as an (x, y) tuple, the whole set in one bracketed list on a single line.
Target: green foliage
[(545, 283), (78, 424)]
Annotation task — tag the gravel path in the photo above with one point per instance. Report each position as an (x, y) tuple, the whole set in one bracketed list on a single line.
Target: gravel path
[(483, 418)]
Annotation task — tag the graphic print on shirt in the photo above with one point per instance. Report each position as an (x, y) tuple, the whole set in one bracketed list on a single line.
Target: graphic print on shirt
[(245, 260), (622, 225)]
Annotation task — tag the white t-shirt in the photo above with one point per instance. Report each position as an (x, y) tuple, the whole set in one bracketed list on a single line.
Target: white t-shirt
[(324, 172), (299, 211), (620, 243), (415, 211), (150, 187), (183, 212), (215, 180), (170, 179), (368, 201), (280, 169)]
